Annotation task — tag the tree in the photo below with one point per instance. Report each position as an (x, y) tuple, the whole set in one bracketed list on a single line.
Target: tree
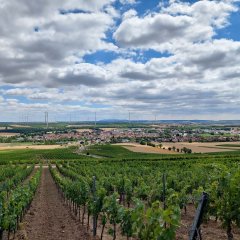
[(189, 150)]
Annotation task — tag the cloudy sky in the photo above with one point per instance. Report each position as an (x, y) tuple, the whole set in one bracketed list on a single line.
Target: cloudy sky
[(170, 59)]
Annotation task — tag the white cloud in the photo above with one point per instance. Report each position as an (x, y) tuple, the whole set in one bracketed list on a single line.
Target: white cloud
[(214, 13), (203, 78), (129, 14), (128, 1), (46, 66), (37, 38), (19, 91), (81, 74), (174, 25)]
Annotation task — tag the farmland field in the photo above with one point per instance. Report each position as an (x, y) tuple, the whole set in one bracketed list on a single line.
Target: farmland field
[(206, 147), (6, 134), (11, 146), (120, 194), (237, 145), (134, 147), (196, 147)]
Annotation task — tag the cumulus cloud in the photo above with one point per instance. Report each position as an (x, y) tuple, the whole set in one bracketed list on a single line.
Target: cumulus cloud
[(216, 54), (128, 1), (81, 74), (19, 91), (151, 31), (180, 22), (129, 14), (37, 38), (43, 46), (214, 13)]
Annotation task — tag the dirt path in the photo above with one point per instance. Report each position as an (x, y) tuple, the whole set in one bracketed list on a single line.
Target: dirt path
[(48, 218)]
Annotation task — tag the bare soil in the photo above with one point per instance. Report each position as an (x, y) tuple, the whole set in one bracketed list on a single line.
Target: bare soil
[(9, 146), (80, 130), (48, 217), (135, 147), (205, 147), (20, 126), (210, 231), (8, 134), (196, 147)]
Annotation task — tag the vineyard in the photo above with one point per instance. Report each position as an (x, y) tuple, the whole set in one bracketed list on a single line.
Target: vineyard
[(17, 188), (125, 195)]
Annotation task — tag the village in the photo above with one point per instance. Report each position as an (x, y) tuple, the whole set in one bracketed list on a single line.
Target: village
[(143, 136)]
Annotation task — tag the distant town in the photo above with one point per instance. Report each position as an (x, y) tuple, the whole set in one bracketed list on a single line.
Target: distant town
[(149, 134)]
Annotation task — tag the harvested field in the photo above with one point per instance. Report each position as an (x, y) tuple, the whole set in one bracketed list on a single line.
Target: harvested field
[(20, 126), (108, 129), (76, 125), (4, 146), (229, 145), (90, 130), (203, 147), (6, 134), (135, 147), (84, 130)]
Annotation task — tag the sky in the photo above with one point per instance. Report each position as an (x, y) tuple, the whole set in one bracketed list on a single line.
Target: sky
[(167, 59)]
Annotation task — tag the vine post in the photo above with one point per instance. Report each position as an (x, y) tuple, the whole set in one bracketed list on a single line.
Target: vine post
[(195, 229), (1, 233)]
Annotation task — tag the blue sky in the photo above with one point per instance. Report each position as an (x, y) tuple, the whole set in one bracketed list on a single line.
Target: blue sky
[(171, 59)]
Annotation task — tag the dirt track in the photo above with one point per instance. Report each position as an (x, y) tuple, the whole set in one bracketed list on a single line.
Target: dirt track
[(48, 218)]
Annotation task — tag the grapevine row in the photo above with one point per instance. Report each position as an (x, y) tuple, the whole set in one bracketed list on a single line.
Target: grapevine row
[(14, 205)]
